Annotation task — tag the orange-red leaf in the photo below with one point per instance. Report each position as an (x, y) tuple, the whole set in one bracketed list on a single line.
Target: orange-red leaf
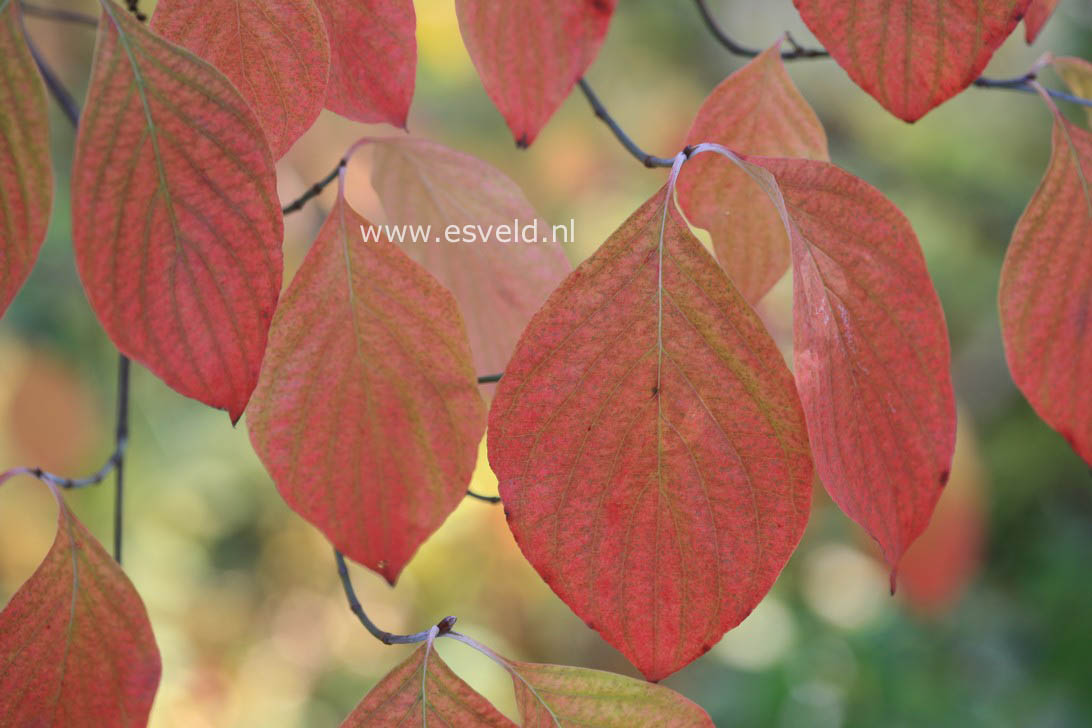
[(76, 646), (274, 51), (573, 697), (423, 691), (1039, 12), (1046, 292), (871, 352), (498, 285), (756, 110), (650, 446), (529, 53), (367, 414), (26, 179), (175, 218), (373, 50), (912, 56)]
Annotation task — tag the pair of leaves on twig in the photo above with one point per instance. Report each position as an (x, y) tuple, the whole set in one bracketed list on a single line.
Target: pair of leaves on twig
[(424, 689), (76, 646)]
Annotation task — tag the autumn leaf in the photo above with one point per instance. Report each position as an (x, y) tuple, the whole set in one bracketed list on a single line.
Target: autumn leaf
[(498, 285), (529, 53), (870, 349), (367, 414), (374, 58), (1039, 12), (759, 111), (175, 219), (1077, 74), (275, 52), (424, 691), (76, 646), (912, 56), (26, 179), (557, 695), (650, 445), (1046, 292)]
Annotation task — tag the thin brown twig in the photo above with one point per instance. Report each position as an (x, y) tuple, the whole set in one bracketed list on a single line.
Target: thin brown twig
[(387, 638)]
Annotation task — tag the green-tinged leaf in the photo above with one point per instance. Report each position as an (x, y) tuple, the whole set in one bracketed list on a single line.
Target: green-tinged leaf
[(423, 691), (26, 179), (175, 218), (556, 696), (76, 646)]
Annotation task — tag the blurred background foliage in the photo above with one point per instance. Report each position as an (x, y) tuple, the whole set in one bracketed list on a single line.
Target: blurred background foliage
[(992, 625)]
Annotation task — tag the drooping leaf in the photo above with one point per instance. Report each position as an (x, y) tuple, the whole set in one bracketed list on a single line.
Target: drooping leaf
[(529, 53), (76, 646), (498, 285), (367, 414), (870, 350), (1046, 292), (650, 446), (275, 52), (756, 110), (374, 58), (1039, 12), (573, 697), (1077, 74), (26, 178), (175, 219), (423, 691), (912, 56)]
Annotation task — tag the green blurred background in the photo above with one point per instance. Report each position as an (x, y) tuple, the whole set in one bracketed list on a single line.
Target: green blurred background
[(993, 622)]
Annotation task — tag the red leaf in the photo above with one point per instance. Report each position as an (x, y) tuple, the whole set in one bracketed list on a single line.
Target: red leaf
[(26, 179), (650, 445), (1046, 292), (529, 53), (498, 285), (870, 350), (757, 110), (76, 647), (1039, 12), (374, 58), (424, 691), (912, 56), (175, 218), (558, 695), (367, 414), (274, 51)]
